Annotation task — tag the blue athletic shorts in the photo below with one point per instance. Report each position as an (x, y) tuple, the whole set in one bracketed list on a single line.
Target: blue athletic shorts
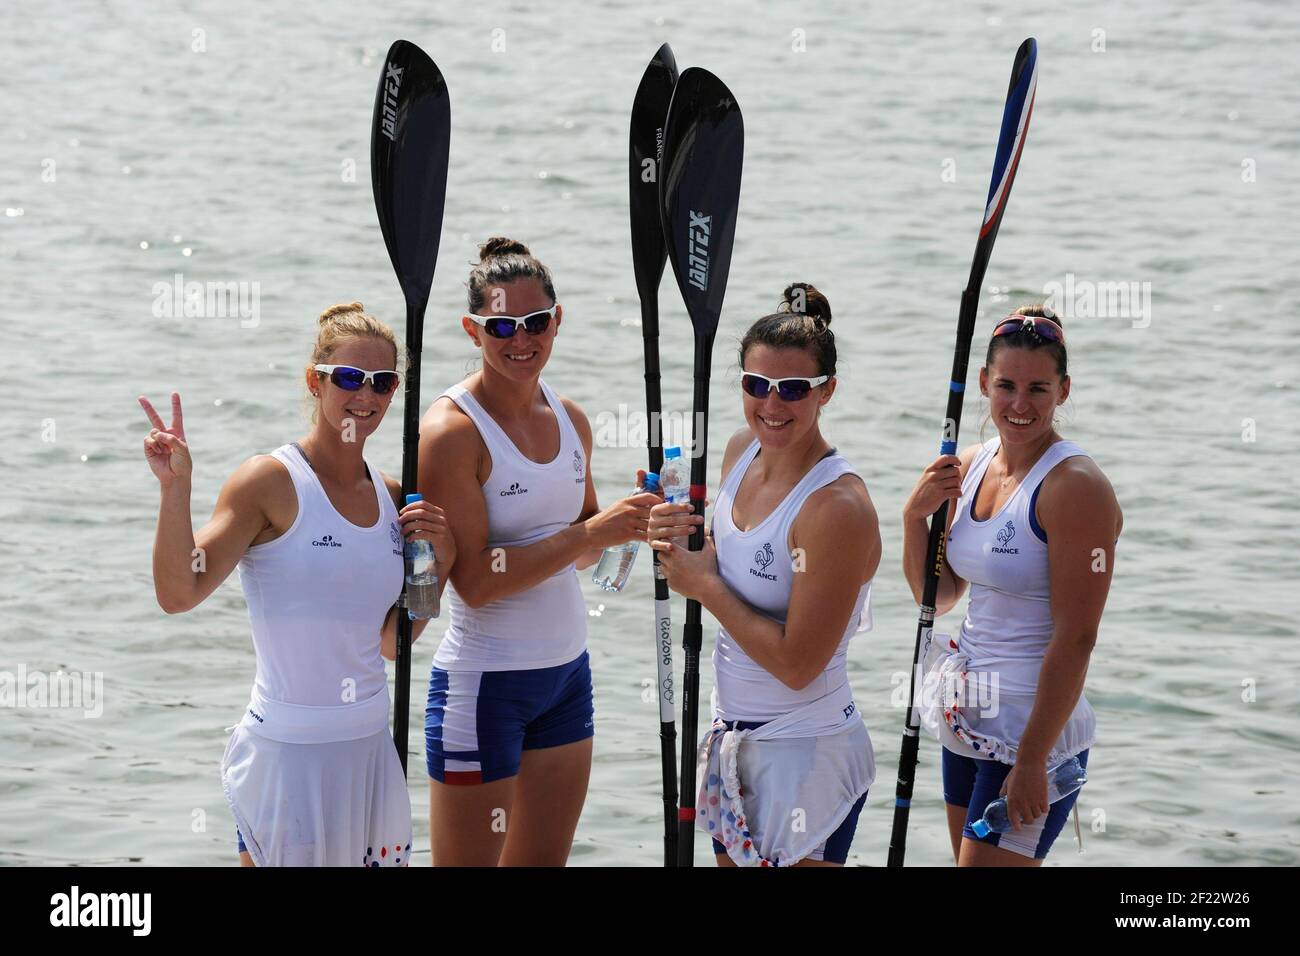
[(836, 847), (974, 784), (478, 723)]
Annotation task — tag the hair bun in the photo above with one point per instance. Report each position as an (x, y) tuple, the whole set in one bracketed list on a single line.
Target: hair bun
[(334, 311), (805, 298), (501, 246)]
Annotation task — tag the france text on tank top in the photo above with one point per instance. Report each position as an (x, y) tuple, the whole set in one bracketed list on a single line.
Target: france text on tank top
[(318, 594), (757, 566), (1008, 624), (546, 625)]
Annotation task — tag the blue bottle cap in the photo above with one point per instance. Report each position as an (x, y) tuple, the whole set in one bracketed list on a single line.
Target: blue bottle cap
[(674, 452), (651, 481), (980, 828), (411, 498)]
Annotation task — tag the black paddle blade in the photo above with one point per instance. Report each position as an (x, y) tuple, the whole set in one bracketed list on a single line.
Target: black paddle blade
[(649, 114), (409, 142), (699, 191)]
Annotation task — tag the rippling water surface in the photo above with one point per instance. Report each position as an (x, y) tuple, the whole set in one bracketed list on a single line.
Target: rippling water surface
[(1170, 158)]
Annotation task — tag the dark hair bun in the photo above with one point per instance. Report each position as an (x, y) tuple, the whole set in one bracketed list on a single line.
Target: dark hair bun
[(501, 246), (805, 298)]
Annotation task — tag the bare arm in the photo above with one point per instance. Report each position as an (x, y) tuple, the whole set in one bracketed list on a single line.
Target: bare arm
[(256, 503), (590, 505), (1078, 510), (187, 567), (940, 481), (451, 457), (836, 541)]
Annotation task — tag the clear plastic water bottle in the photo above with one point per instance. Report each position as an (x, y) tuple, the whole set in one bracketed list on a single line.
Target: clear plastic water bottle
[(1062, 780), (675, 476), (615, 564), (421, 576)]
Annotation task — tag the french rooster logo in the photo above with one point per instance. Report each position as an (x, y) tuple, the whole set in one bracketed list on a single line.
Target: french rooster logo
[(1006, 534), (765, 557)]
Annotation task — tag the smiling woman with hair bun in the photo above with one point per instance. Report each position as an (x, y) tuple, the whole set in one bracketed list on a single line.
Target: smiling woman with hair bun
[(510, 716), (786, 569)]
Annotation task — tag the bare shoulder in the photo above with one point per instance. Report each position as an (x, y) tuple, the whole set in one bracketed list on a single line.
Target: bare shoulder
[(579, 419), (838, 523), (261, 485), (394, 487), (967, 455), (837, 510), (449, 432), (1078, 490), (259, 477), (736, 445)]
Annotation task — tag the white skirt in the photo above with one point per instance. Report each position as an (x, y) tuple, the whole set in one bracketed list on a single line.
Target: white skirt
[(330, 803), (773, 794)]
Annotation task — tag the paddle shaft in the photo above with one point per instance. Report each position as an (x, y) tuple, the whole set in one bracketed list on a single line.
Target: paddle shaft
[(410, 461), (692, 632), (934, 558), (663, 619), (1011, 141)]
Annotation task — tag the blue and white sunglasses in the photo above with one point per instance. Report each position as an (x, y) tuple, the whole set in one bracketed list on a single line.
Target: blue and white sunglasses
[(787, 389), (504, 326)]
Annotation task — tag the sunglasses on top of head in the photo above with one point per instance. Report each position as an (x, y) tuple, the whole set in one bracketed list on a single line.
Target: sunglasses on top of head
[(787, 389), (351, 379), (1041, 326), (504, 326)]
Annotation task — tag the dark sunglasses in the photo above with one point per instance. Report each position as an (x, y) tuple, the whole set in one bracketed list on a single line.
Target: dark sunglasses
[(351, 379), (1041, 326), (504, 326), (787, 389)]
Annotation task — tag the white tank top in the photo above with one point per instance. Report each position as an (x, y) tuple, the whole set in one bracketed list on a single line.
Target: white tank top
[(1008, 623), (757, 566), (546, 625), (318, 594)]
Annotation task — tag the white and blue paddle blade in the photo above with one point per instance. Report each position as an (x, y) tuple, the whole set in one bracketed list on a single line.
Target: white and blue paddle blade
[(1015, 126)]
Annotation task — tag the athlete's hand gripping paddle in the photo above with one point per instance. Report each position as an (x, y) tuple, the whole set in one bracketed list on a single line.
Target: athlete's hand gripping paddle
[(1011, 140), (699, 191)]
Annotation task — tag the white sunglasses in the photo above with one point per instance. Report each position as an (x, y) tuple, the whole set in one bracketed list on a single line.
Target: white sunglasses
[(505, 326), (788, 389), (351, 379)]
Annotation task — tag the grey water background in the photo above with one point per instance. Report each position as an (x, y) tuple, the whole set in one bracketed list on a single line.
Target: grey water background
[(1170, 158)]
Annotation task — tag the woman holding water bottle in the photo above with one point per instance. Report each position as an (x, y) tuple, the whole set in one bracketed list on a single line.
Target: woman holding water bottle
[(1033, 529), (510, 719), (310, 773), (786, 568)]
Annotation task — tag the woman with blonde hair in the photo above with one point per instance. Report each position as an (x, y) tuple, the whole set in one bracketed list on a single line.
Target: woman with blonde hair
[(316, 531)]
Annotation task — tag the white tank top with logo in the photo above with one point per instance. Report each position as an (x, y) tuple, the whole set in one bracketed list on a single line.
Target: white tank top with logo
[(545, 625), (318, 594), (758, 567), (1008, 623)]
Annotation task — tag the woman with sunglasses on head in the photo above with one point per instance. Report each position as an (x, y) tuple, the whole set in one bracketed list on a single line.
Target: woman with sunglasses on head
[(1033, 527), (310, 773), (510, 719), (786, 569)]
